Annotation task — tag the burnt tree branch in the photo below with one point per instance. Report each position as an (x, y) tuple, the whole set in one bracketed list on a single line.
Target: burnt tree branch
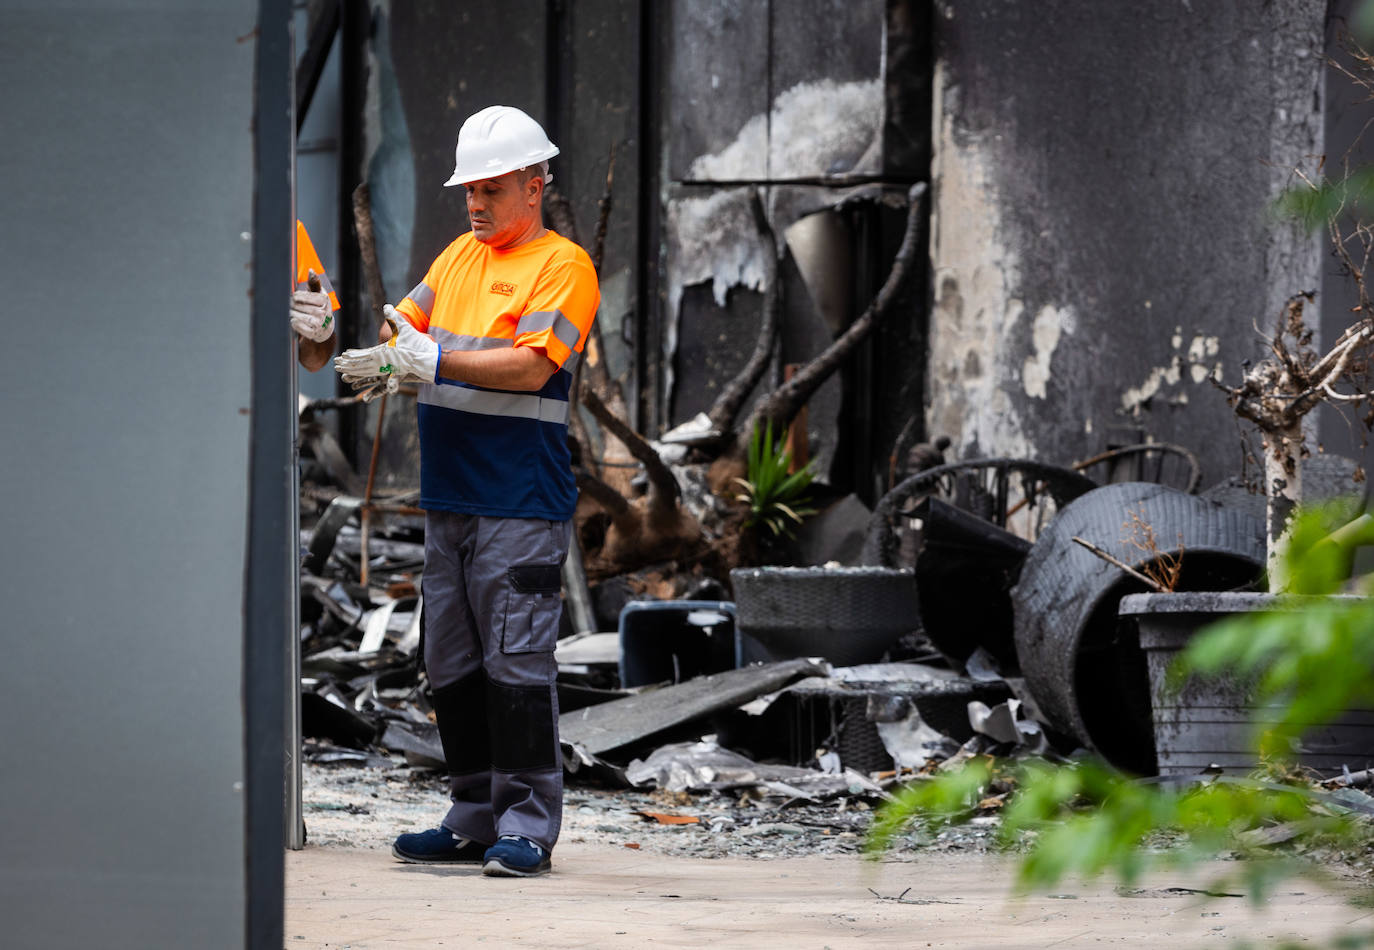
[(603, 217), (727, 405), (783, 404), (663, 485), (607, 497), (591, 372), (597, 375), (560, 214), (1277, 393), (367, 249)]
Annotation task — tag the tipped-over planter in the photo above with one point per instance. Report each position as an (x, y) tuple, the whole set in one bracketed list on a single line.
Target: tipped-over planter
[(1088, 676), (1213, 722), (848, 615)]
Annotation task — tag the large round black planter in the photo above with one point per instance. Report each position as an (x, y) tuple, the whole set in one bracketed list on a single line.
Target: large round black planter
[(848, 615), (1087, 677), (1214, 722)]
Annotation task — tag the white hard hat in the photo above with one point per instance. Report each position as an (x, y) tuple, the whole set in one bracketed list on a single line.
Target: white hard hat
[(497, 140)]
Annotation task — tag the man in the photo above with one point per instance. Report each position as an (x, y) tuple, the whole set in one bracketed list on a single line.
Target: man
[(312, 311), (493, 334)]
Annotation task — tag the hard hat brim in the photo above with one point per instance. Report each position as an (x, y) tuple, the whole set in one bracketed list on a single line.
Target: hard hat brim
[(461, 178)]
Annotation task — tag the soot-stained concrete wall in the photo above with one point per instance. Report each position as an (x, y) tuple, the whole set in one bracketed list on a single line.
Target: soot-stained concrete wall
[(449, 62), (599, 111), (430, 65), (700, 101), (573, 67), (823, 111), (1348, 146), (1099, 239)]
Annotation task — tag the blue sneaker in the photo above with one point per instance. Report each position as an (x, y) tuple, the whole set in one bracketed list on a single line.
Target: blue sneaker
[(514, 856), (437, 846)]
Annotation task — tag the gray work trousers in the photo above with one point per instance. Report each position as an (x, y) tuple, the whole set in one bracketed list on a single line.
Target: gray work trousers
[(492, 611)]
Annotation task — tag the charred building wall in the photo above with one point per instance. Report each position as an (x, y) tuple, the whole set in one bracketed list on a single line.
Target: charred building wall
[(828, 113), (1101, 242), (578, 69)]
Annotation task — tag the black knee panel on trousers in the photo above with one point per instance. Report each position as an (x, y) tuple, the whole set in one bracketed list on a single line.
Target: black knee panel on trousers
[(460, 710), (522, 728)]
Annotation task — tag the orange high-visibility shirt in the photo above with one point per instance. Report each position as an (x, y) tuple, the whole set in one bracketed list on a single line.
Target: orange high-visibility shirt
[(306, 261), (494, 452)]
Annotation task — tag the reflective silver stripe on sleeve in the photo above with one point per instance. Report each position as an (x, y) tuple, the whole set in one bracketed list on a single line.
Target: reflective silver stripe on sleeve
[(423, 297), (455, 341), (563, 328), (487, 403)]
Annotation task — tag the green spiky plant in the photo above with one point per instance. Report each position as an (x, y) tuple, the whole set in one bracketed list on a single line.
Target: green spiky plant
[(778, 499)]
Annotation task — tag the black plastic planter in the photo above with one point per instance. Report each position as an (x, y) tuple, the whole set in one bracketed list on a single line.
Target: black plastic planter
[(1086, 671), (848, 615), (1211, 723)]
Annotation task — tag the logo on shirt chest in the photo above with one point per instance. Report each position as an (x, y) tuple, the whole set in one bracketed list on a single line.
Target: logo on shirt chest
[(505, 288)]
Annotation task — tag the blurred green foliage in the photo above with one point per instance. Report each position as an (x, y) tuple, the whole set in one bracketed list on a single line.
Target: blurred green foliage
[(1314, 203), (1362, 24), (1315, 657), (1086, 819), (1317, 202)]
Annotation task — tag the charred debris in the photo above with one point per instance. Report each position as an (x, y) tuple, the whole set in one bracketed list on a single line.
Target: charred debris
[(972, 611), (961, 617), (661, 683)]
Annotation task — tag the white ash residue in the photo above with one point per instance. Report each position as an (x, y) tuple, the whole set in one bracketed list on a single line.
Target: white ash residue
[(349, 806)]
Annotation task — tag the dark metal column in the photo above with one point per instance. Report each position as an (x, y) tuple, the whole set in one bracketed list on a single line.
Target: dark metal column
[(647, 327), (323, 28), (354, 29), (270, 588), (557, 83)]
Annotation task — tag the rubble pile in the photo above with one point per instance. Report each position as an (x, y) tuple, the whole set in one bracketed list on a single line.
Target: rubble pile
[(685, 733), (362, 697), (771, 758)]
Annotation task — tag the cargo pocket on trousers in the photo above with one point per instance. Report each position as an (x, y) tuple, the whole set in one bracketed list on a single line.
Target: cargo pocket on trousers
[(533, 608)]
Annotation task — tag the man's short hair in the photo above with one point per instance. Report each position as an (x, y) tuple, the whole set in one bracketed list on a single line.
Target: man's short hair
[(530, 171)]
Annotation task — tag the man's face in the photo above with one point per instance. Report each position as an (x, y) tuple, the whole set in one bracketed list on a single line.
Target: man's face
[(504, 211)]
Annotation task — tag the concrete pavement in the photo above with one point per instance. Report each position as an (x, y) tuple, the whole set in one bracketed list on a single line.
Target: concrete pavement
[(603, 896)]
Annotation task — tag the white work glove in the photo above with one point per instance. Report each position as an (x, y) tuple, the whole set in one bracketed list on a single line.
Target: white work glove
[(369, 388), (409, 354), (311, 315)]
